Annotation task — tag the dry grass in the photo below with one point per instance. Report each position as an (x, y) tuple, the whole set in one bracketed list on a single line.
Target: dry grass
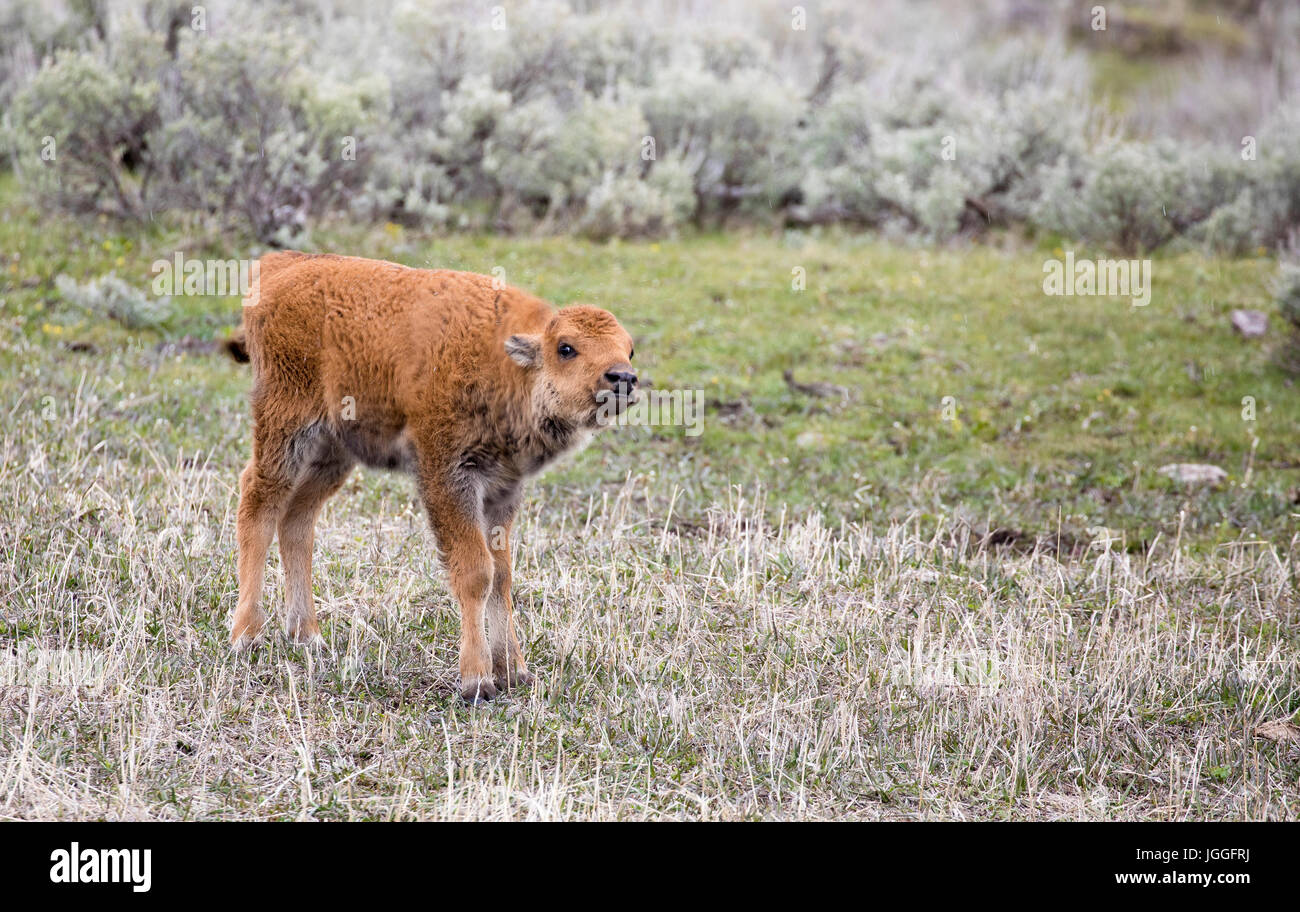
[(704, 650), (743, 663)]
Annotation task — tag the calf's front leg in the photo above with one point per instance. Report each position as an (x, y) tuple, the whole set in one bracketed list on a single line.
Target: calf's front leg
[(508, 666), (469, 568)]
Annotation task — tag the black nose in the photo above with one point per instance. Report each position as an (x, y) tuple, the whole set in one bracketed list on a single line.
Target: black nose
[(624, 379)]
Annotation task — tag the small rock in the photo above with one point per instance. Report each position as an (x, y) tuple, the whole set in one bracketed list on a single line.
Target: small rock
[(1250, 323), (1193, 473), (729, 411), (1279, 730), (815, 389)]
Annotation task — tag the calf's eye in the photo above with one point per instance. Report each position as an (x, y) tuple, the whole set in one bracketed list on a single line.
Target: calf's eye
[(566, 351)]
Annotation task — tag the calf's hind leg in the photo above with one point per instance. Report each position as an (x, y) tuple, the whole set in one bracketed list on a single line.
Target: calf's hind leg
[(322, 477), (262, 493)]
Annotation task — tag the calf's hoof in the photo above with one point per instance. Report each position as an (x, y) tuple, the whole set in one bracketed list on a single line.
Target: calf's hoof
[(517, 677), (306, 635), (478, 690), (246, 631)]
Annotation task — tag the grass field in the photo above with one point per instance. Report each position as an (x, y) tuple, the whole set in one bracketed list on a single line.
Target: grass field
[(876, 603)]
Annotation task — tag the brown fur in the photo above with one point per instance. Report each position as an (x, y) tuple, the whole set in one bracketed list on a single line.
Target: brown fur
[(431, 371)]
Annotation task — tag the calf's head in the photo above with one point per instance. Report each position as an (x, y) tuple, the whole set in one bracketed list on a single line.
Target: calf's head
[(583, 362)]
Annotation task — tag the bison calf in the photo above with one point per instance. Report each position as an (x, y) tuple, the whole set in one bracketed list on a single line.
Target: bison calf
[(471, 388)]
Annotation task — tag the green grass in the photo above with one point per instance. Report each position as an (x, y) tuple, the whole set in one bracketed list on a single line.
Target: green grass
[(800, 613), (1065, 406)]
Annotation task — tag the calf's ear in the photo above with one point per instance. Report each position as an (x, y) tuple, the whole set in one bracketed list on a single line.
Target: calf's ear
[(526, 351)]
